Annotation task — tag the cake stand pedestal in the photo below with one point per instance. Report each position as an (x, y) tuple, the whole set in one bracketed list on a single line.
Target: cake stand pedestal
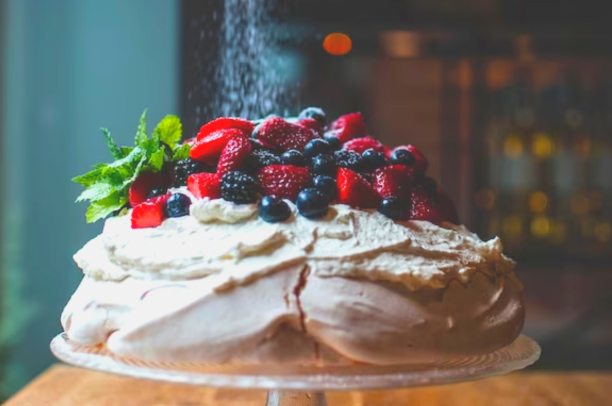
[(304, 386)]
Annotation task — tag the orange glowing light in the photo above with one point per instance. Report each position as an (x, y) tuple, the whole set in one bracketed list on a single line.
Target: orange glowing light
[(338, 44)]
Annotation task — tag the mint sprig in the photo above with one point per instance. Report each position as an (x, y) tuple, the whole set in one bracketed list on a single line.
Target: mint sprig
[(107, 185)]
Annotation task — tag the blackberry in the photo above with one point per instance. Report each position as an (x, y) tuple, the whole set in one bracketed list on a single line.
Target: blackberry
[(258, 159), (187, 167), (348, 159), (239, 187), (156, 193)]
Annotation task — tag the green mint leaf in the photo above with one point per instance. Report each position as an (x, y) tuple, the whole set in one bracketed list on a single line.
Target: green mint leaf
[(181, 153), (126, 150), (141, 164), (150, 146), (157, 161), (115, 152), (102, 208), (91, 177), (97, 191), (141, 133), (169, 130)]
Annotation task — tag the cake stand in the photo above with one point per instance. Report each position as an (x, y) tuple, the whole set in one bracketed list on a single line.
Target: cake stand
[(304, 386)]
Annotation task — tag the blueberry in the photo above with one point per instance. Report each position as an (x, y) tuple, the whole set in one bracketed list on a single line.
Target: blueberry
[(394, 208), (373, 159), (273, 209), (177, 205), (317, 147), (327, 185), (323, 165), (293, 157), (311, 203), (314, 112), (156, 193), (402, 157), (334, 142)]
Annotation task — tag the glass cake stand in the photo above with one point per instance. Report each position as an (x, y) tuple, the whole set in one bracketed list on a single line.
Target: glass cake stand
[(304, 386)]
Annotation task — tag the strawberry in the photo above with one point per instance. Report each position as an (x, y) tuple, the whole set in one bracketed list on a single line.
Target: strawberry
[(150, 213), (204, 185), (234, 153), (284, 181), (210, 146), (355, 190), (447, 209), (424, 206), (360, 145), (393, 181), (348, 127), (226, 123), (144, 184), (420, 162), (279, 133), (312, 124)]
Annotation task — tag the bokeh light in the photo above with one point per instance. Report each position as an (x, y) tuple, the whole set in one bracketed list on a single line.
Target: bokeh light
[(338, 44), (538, 202), (513, 146)]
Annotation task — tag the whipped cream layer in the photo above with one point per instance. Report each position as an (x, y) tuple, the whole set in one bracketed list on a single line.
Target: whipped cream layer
[(231, 245)]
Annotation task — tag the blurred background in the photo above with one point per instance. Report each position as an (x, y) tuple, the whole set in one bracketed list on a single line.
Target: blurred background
[(511, 100)]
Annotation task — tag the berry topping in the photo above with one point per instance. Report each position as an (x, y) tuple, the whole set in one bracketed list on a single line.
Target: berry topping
[(323, 165), (334, 142), (144, 184), (348, 159), (204, 185), (312, 124), (402, 157), (393, 181), (317, 147), (157, 192), (447, 209), (360, 145), (273, 209), (187, 167), (258, 159), (355, 190), (281, 134), (177, 205), (226, 123), (430, 185), (210, 146), (420, 162), (348, 127), (233, 155), (150, 213), (373, 160), (314, 113), (395, 208), (423, 205), (257, 145), (293, 157), (311, 203), (239, 187), (327, 185), (283, 181)]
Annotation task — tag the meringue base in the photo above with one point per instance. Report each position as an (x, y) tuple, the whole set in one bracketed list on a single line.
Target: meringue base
[(294, 317)]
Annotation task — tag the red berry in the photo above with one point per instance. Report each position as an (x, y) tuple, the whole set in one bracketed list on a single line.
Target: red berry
[(204, 185), (150, 213), (210, 146), (355, 190), (424, 206), (312, 124), (144, 184), (420, 162), (279, 133), (447, 209), (234, 153), (225, 123), (348, 127), (393, 181), (360, 145), (387, 151), (283, 181)]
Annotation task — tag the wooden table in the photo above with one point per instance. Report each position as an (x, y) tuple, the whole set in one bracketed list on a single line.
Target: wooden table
[(67, 386)]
